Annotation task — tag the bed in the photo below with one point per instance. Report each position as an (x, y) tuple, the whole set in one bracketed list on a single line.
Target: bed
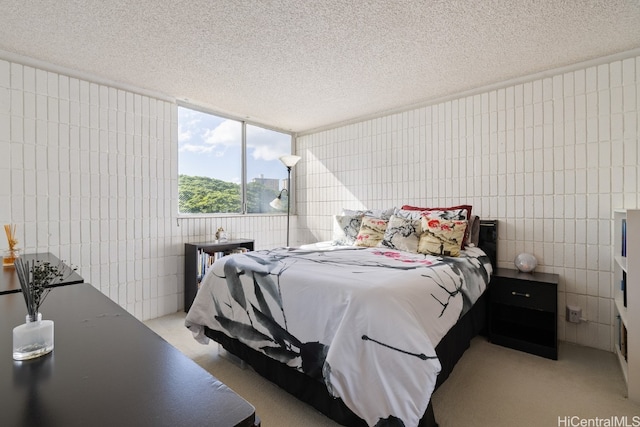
[(349, 330)]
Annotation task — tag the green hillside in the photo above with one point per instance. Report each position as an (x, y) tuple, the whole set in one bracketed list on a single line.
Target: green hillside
[(200, 194)]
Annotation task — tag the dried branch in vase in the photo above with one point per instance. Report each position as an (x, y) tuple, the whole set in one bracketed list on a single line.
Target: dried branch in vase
[(36, 278)]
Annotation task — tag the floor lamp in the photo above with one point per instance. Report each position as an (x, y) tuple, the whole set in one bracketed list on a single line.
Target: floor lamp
[(289, 161)]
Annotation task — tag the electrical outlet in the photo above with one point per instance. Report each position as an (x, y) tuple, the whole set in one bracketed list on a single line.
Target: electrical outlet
[(573, 314)]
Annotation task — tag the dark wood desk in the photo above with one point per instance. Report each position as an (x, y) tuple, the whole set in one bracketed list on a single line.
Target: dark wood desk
[(9, 282), (106, 369)]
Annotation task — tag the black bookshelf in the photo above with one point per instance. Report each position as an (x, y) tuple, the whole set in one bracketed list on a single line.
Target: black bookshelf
[(192, 260)]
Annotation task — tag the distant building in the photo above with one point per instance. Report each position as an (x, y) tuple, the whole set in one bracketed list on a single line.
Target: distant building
[(272, 183)]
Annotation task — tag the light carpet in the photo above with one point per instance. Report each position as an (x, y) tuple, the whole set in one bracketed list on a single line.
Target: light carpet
[(490, 386)]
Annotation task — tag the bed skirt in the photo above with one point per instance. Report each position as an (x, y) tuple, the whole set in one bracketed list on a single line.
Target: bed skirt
[(314, 392)]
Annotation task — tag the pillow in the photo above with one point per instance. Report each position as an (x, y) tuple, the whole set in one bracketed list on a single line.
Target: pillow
[(371, 231), (345, 229), (442, 214), (441, 236), (375, 213), (465, 207), (432, 212), (473, 229), (408, 214), (402, 234)]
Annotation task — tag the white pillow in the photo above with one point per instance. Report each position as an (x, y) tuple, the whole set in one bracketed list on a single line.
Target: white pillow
[(345, 229), (402, 234), (375, 213), (408, 214)]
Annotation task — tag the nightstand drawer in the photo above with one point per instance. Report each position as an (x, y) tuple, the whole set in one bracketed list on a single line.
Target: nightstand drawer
[(523, 311), (523, 294)]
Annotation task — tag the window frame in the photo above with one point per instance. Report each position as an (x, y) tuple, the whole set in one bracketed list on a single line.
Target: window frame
[(243, 135)]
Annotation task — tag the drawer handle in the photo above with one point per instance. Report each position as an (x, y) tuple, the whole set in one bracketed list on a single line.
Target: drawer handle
[(520, 294)]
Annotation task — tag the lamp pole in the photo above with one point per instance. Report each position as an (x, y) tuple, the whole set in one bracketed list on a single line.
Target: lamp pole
[(288, 200), (289, 161)]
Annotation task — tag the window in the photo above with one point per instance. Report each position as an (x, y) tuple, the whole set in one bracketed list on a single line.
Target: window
[(227, 165)]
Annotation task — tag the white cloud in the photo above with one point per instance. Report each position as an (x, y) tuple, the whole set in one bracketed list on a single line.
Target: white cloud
[(189, 147), (264, 144), (201, 133), (184, 135), (225, 134), (195, 136), (188, 124), (195, 148)]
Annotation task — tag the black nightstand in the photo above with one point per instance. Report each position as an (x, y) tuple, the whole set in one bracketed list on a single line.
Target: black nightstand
[(523, 311)]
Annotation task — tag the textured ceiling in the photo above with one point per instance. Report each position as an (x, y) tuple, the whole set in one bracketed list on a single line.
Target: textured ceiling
[(302, 64)]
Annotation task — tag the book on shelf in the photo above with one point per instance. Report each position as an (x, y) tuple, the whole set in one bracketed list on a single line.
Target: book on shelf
[(623, 342), (624, 237), (623, 286), (622, 337), (619, 332), (206, 259)]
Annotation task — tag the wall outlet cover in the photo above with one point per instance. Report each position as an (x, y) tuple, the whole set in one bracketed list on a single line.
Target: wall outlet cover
[(574, 314)]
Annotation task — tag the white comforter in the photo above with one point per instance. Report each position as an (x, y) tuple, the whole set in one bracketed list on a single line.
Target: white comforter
[(365, 321)]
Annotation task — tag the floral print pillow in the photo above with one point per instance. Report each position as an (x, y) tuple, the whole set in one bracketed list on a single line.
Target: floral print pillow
[(441, 236), (371, 231)]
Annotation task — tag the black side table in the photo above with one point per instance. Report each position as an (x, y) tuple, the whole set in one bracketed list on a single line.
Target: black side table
[(9, 282), (523, 311)]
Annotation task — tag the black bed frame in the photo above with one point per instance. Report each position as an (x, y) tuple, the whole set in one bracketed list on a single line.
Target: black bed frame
[(314, 392)]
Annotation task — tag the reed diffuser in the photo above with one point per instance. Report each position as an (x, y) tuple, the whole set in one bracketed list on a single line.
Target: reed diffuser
[(13, 252), (34, 338)]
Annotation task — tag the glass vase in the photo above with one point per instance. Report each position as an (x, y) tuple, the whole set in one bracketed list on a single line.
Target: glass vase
[(9, 256), (32, 339)]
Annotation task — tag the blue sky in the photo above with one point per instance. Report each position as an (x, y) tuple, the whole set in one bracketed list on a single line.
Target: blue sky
[(211, 146)]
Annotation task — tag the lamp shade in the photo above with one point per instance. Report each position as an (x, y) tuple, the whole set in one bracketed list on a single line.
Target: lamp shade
[(277, 203), (290, 161), (525, 262)]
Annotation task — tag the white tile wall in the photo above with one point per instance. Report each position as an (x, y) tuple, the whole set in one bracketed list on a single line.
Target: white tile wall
[(89, 173), (549, 158)]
